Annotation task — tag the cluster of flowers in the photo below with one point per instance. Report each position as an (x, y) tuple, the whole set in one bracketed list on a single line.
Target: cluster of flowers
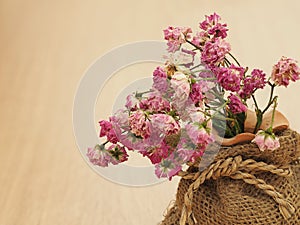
[(201, 81)]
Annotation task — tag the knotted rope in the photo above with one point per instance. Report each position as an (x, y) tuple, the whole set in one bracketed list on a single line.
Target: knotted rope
[(239, 169)]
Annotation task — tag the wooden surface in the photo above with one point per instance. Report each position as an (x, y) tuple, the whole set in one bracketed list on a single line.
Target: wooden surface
[(45, 47)]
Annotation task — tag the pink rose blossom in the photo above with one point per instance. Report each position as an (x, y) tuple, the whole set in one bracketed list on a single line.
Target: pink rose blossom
[(155, 103), (160, 81), (139, 124), (108, 131), (257, 80), (185, 150), (181, 86), (176, 36), (284, 71), (210, 21), (158, 152), (185, 154), (266, 141), (214, 52), (199, 136), (213, 27), (99, 156), (230, 78), (164, 124), (196, 94), (120, 122), (197, 116), (200, 38), (219, 30), (235, 104)]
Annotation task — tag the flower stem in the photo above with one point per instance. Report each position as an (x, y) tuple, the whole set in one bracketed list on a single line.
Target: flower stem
[(255, 102), (191, 43), (237, 62), (227, 62), (273, 115), (270, 99)]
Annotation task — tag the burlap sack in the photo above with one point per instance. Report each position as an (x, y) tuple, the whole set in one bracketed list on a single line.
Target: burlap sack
[(242, 186)]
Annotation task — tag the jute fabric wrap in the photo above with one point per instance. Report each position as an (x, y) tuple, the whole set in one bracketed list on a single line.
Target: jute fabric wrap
[(242, 186)]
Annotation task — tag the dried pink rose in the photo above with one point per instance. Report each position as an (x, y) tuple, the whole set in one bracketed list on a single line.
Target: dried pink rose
[(176, 36), (160, 81), (196, 94), (266, 141), (230, 78), (284, 71), (139, 124), (219, 30), (108, 131), (99, 156), (155, 103), (199, 136), (157, 153), (235, 104), (164, 124), (214, 52), (257, 80), (181, 86), (200, 38), (210, 21), (213, 27)]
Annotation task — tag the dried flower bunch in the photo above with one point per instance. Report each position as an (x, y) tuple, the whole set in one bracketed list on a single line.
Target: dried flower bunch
[(201, 88)]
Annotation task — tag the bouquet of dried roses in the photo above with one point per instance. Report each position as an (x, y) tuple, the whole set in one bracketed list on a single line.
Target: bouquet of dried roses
[(197, 107), (199, 95)]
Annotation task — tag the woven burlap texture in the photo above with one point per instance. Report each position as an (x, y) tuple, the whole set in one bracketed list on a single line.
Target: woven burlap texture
[(242, 186)]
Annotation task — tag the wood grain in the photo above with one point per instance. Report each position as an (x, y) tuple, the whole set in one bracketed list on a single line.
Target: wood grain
[(45, 47)]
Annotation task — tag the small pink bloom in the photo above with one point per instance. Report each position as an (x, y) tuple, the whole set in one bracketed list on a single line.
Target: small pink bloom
[(257, 80), (155, 103), (160, 81), (235, 104), (99, 156), (210, 21), (185, 150), (230, 78), (197, 116), (108, 131), (266, 141), (158, 152), (200, 38), (139, 124), (219, 30), (164, 124), (214, 52), (284, 71), (213, 27), (184, 154), (199, 136), (181, 86), (196, 93), (176, 36)]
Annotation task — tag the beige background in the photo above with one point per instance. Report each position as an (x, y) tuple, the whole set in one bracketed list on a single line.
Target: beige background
[(45, 47)]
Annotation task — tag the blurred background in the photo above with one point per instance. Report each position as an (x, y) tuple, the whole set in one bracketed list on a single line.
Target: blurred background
[(45, 48)]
